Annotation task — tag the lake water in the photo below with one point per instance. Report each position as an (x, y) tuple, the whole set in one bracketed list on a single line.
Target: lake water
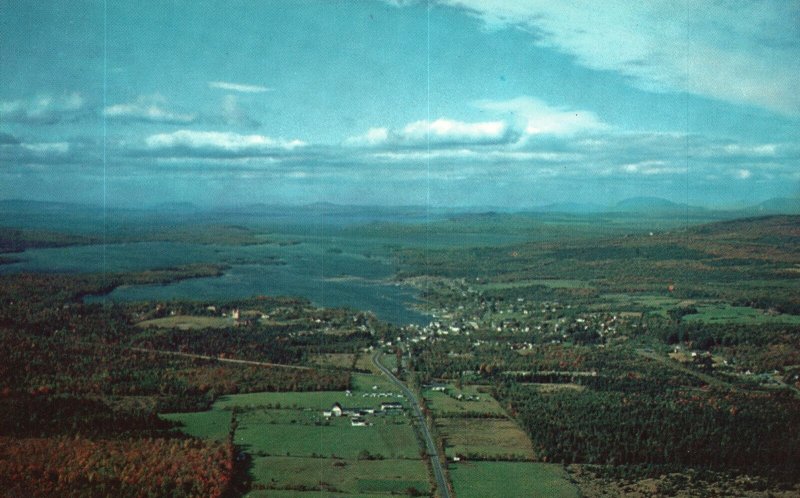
[(331, 273)]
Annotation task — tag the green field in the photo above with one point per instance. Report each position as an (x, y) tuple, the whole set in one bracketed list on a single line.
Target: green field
[(293, 445), (362, 395), (724, 313), (213, 424), (488, 438), (389, 436), (333, 360), (447, 403), (279, 493), (639, 302), (341, 475), (316, 400), (511, 480), (187, 322), (367, 383), (544, 282)]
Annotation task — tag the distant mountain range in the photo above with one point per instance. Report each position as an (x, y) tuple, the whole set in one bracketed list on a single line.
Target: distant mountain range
[(634, 205), (660, 206)]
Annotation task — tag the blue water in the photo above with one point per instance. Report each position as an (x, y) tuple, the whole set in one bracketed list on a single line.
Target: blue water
[(351, 278)]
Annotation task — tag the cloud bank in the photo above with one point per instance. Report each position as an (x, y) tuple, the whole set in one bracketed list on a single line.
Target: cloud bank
[(43, 110), (739, 52), (148, 109), (216, 144), (438, 133)]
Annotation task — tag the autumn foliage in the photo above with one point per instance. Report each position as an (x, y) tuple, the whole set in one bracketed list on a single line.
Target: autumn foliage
[(137, 467)]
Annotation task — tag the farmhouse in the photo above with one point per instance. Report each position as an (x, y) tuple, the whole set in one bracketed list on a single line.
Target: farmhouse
[(336, 410)]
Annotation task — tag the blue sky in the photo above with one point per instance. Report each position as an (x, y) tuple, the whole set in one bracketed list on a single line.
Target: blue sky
[(507, 103)]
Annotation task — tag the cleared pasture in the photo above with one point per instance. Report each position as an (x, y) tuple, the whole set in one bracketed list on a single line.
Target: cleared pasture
[(283, 493), (333, 360), (389, 436), (725, 313), (212, 424), (472, 401), (353, 477), (485, 438), (511, 480), (187, 322)]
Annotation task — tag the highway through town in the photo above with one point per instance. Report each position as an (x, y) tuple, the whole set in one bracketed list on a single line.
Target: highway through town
[(441, 483)]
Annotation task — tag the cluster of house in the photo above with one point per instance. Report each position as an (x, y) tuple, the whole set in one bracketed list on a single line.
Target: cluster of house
[(357, 414)]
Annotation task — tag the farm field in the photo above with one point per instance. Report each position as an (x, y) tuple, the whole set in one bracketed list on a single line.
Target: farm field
[(283, 493), (334, 360), (369, 384), (472, 401), (364, 363), (299, 452), (389, 436), (725, 313), (484, 438), (187, 322), (213, 424), (353, 477), (553, 283), (510, 479)]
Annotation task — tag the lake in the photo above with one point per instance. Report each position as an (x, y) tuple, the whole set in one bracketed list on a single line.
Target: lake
[(334, 272)]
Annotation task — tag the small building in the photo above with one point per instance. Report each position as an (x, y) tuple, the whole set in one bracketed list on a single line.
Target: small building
[(391, 406), (358, 422)]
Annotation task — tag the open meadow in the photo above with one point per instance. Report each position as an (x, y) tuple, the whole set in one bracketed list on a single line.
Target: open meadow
[(485, 439), (504, 479), (350, 477), (295, 448), (469, 400)]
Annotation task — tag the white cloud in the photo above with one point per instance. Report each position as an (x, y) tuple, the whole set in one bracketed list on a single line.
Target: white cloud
[(743, 174), (43, 109), (373, 137), (763, 150), (150, 109), (448, 131), (238, 87), (413, 156), (740, 52), (438, 133), (214, 141), (473, 156), (47, 147), (652, 167), (537, 118)]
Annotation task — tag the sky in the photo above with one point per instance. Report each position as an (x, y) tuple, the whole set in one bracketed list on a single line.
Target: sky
[(448, 103)]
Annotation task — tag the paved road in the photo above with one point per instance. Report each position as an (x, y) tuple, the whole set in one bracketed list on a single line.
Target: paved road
[(441, 483)]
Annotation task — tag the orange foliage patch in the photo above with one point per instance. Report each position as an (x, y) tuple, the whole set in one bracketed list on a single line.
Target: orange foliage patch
[(136, 467)]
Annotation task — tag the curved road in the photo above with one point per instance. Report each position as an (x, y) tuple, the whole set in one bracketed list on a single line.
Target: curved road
[(441, 483)]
